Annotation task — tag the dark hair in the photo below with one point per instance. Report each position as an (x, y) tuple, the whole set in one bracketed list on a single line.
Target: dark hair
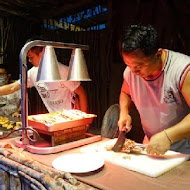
[(138, 37), (35, 49)]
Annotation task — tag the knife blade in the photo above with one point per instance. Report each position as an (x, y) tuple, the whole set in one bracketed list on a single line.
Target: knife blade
[(120, 141)]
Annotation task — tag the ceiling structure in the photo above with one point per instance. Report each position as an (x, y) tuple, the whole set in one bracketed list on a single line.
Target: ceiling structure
[(37, 10)]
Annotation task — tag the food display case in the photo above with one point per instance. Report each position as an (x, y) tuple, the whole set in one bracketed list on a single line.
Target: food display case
[(59, 131), (61, 127)]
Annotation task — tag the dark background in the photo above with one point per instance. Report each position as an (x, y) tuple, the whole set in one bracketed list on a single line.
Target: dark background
[(21, 20)]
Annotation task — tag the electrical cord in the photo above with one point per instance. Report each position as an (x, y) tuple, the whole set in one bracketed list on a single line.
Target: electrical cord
[(20, 129)]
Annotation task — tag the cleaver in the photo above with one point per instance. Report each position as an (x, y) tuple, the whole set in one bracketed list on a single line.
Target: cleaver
[(120, 141)]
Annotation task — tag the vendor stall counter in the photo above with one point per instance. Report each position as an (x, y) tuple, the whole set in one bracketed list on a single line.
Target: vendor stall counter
[(114, 177)]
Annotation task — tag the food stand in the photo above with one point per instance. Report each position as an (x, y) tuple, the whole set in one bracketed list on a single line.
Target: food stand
[(34, 167), (114, 177)]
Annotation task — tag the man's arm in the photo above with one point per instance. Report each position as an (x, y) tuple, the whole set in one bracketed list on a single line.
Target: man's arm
[(182, 129), (125, 104), (161, 142), (9, 88), (82, 96)]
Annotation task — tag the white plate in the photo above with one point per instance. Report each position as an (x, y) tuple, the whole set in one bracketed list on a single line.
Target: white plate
[(78, 162)]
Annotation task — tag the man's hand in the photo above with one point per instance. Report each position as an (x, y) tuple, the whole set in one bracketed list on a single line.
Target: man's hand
[(124, 123), (16, 115), (159, 144)]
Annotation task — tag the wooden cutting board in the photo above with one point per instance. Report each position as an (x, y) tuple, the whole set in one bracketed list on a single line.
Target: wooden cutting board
[(148, 165)]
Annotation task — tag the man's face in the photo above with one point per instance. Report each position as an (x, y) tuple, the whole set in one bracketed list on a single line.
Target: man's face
[(34, 58), (4, 77), (141, 65)]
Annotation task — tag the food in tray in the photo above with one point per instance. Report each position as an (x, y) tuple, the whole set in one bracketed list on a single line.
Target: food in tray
[(59, 117)]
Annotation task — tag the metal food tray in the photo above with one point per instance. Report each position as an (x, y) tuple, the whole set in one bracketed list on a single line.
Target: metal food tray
[(59, 126)]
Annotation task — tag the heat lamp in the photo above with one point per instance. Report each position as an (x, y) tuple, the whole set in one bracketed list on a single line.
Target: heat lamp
[(48, 71)]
